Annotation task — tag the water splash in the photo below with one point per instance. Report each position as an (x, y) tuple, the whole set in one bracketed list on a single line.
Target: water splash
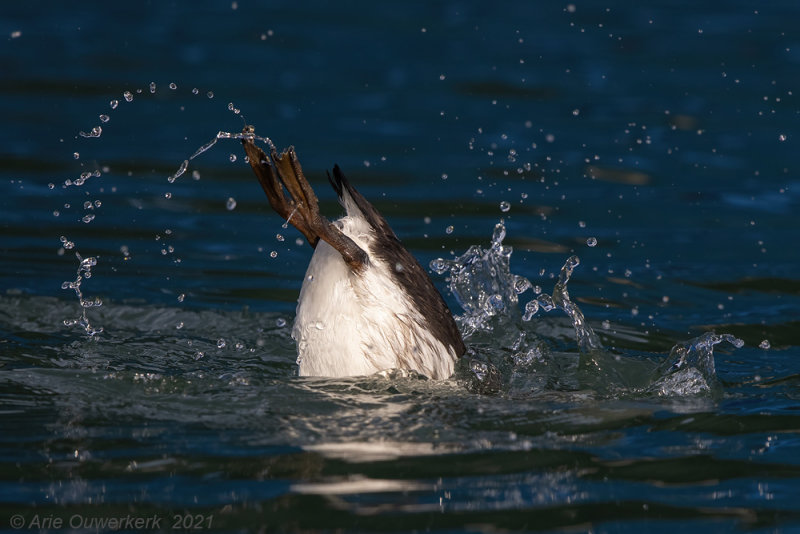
[(248, 134), (690, 369), (484, 286), (84, 272)]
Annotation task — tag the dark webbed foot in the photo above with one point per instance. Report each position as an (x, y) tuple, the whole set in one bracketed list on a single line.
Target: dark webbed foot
[(298, 204)]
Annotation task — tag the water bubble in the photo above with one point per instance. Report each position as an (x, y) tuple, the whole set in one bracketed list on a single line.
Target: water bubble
[(168, 195), (505, 206), (88, 218), (181, 297), (221, 343), (279, 237), (128, 96), (199, 355), (232, 157), (104, 118), (782, 137), (51, 185), (114, 103), (152, 87), (765, 344), (230, 204), (280, 322), (173, 86), (592, 241), (195, 175), (273, 254), (581, 224), (210, 94), (449, 229), (76, 155)]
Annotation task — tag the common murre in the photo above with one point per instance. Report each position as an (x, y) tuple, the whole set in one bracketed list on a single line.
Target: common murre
[(366, 304)]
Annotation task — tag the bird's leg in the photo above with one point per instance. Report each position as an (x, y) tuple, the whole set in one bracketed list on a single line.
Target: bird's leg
[(300, 206)]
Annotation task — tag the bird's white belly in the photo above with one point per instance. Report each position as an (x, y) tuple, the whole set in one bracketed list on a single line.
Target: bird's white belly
[(329, 324), (352, 324)]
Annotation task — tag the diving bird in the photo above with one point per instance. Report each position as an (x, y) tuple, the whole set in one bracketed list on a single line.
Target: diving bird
[(366, 305)]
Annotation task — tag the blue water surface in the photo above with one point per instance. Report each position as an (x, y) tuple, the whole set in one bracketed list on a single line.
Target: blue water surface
[(657, 141)]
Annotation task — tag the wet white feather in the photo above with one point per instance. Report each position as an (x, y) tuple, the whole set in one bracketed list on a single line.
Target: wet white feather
[(351, 324)]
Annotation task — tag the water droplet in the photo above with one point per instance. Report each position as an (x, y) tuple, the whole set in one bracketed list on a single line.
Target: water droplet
[(173, 86), (195, 90), (104, 118), (76, 155), (152, 87), (96, 132), (210, 94), (88, 218), (181, 297), (530, 310), (280, 322), (439, 266), (232, 157), (179, 325), (230, 204), (581, 224), (505, 206), (179, 172), (168, 195), (51, 185), (449, 229), (56, 213), (128, 96), (592, 241), (521, 285), (273, 254), (764, 344), (221, 343), (279, 237), (782, 137)]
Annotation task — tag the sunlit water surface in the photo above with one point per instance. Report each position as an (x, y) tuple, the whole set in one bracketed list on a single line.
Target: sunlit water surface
[(606, 197)]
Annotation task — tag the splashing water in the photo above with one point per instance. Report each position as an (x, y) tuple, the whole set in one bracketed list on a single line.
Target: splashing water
[(690, 369), (246, 134), (84, 272), (488, 292), (483, 285)]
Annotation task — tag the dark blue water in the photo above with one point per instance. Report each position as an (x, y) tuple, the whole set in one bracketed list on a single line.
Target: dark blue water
[(664, 134)]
